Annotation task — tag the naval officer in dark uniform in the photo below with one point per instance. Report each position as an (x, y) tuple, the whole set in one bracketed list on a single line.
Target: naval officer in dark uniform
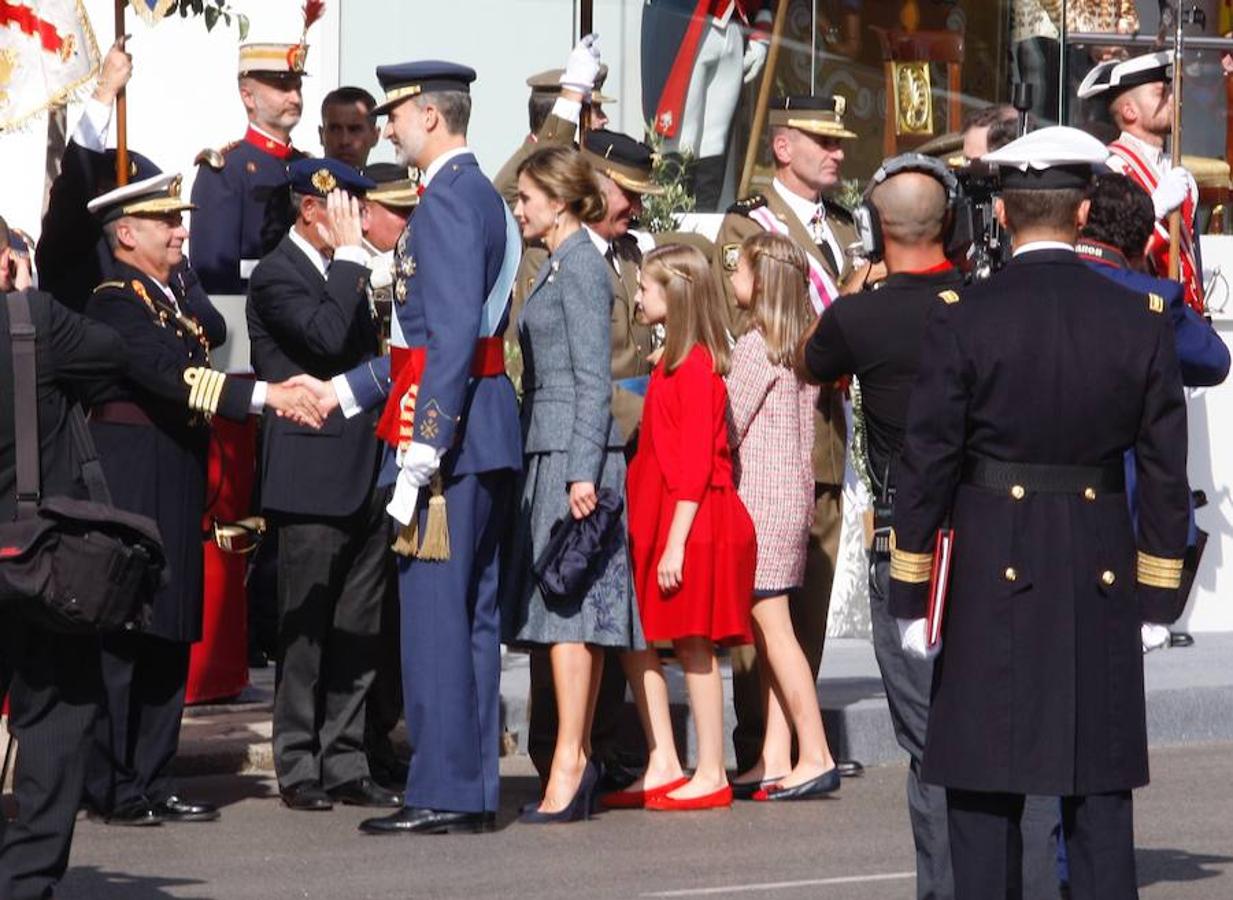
[(1031, 388), (451, 420), (152, 435), (240, 195)]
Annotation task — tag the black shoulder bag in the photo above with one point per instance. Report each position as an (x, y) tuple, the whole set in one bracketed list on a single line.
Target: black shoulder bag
[(70, 565)]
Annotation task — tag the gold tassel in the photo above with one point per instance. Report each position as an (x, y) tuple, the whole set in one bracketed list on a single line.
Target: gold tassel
[(436, 545), (408, 537)]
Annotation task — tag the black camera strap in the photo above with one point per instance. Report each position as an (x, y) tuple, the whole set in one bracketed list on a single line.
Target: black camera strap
[(23, 336), (25, 404)]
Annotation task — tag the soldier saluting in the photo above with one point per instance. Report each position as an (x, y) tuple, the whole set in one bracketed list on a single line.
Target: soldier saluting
[(1031, 388)]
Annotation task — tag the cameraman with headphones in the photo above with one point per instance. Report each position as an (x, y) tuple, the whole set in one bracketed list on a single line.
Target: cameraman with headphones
[(905, 222)]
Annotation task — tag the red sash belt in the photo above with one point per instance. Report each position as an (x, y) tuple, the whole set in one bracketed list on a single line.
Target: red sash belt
[(406, 371)]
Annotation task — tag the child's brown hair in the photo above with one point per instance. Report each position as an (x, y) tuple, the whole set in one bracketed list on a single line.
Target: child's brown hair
[(695, 315)]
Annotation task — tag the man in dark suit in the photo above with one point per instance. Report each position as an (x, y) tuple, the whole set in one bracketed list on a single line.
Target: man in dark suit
[(151, 431), (308, 311), (56, 692), (451, 421), (1031, 388)]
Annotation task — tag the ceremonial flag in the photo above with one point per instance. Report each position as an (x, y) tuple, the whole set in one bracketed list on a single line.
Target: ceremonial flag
[(152, 11), (47, 51)]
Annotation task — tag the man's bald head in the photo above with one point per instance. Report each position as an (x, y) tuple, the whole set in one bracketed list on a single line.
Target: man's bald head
[(912, 209)]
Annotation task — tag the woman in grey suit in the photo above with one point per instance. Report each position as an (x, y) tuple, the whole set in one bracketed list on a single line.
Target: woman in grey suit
[(571, 450)]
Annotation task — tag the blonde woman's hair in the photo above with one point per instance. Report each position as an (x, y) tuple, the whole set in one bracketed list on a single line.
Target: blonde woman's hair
[(781, 308), (564, 175), (695, 311)]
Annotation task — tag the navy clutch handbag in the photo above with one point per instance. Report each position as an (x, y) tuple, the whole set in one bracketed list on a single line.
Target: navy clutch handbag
[(577, 548)]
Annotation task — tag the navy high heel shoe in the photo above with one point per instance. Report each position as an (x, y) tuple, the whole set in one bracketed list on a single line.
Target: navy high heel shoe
[(579, 807)]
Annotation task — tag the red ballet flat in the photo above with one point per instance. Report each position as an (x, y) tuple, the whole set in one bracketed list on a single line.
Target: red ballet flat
[(638, 799), (720, 799)]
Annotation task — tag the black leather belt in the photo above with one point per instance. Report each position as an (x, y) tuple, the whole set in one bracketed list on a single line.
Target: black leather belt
[(1019, 479)]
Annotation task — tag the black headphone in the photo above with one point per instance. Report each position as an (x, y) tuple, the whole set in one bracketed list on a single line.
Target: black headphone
[(865, 216)]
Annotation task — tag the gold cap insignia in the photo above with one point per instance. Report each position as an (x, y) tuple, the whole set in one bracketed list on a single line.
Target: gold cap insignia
[(840, 104), (324, 181)]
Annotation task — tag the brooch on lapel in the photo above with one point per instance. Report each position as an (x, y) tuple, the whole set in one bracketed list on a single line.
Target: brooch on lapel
[(555, 267)]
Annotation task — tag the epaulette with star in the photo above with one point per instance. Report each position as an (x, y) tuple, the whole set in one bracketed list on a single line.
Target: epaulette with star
[(215, 159), (747, 205)]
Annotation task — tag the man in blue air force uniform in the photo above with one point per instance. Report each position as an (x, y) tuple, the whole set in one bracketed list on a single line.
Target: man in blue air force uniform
[(451, 423)]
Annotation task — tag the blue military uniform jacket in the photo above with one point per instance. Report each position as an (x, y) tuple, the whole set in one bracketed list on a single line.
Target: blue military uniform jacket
[(1202, 355), (447, 262), (243, 209)]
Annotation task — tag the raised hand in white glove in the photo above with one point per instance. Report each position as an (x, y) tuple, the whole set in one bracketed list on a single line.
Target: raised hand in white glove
[(1172, 190), (582, 65), (914, 639), (755, 58), (1154, 636)]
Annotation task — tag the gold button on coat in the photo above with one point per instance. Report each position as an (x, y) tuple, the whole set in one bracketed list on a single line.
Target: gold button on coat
[(1089, 493), (1018, 492), (1107, 578), (1010, 574)]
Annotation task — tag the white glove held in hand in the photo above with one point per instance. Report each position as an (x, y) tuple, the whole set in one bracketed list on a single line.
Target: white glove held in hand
[(582, 65), (416, 468), (915, 640), (1172, 191), (1154, 636), (754, 60)]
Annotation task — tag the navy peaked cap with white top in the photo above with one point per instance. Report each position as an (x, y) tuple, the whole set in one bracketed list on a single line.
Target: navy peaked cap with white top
[(1054, 158)]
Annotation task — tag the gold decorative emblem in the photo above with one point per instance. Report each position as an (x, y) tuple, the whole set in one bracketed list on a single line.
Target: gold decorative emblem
[(250, 167), (1155, 303), (731, 256), (913, 98), (140, 290), (406, 266), (841, 104), (173, 189), (324, 181), (400, 291), (948, 297)]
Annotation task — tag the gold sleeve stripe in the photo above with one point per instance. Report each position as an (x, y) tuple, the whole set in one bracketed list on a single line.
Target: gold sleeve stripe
[(912, 568), (1160, 571), (205, 388)]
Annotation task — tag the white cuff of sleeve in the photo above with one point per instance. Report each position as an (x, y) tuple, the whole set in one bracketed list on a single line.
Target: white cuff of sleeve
[(569, 110), (257, 404), (92, 127), (346, 399), (351, 253), (401, 507)]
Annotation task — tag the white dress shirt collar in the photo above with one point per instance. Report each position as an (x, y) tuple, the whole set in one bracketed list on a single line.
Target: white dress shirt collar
[(319, 260), (439, 163), (1033, 246), (804, 209)]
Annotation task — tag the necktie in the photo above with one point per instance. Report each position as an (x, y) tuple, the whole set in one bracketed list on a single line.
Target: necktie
[(610, 255)]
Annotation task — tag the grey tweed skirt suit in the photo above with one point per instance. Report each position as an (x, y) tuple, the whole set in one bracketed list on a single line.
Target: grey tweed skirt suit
[(568, 435)]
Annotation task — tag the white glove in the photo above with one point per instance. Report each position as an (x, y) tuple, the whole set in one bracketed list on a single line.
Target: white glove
[(914, 639), (755, 59), (582, 66), (1154, 636), (1172, 191), (415, 469)]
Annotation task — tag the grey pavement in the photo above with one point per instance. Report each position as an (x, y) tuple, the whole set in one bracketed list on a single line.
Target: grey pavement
[(854, 847)]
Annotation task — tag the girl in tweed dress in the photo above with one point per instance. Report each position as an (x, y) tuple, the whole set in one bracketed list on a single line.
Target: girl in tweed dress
[(771, 430)]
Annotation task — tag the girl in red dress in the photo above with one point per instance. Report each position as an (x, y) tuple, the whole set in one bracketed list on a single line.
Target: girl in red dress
[(691, 540)]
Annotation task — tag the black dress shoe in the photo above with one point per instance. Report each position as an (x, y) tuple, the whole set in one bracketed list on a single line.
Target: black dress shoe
[(826, 783), (177, 809), (135, 813), (307, 795), (849, 768), (1181, 639), (411, 820), (366, 792)]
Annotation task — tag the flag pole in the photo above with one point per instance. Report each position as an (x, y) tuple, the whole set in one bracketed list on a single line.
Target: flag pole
[(1175, 217), (121, 109), (764, 97)]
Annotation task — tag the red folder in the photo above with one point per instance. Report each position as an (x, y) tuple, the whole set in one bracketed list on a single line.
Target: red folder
[(938, 582)]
